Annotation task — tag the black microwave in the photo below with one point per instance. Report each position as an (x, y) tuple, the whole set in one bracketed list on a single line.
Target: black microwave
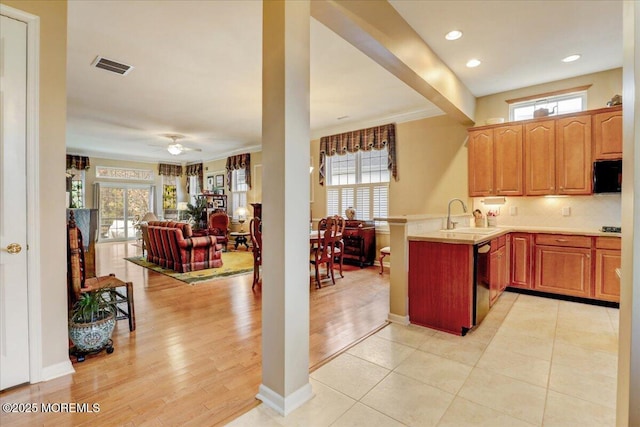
[(607, 176)]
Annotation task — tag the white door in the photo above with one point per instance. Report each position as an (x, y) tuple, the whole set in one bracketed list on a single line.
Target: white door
[(14, 327)]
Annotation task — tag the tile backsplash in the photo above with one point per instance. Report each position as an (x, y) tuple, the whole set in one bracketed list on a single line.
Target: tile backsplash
[(584, 212)]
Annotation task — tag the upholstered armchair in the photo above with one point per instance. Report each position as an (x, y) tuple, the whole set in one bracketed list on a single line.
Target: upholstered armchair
[(219, 227)]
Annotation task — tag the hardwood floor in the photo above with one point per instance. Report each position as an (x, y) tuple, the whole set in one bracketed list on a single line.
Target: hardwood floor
[(195, 357)]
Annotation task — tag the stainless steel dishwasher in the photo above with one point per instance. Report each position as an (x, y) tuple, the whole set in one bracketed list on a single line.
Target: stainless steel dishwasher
[(481, 276)]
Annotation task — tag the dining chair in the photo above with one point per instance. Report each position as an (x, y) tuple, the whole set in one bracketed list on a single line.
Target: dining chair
[(339, 251), (325, 252), (255, 230), (117, 291)]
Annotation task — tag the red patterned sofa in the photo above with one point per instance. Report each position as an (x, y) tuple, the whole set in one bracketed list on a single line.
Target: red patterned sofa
[(171, 245)]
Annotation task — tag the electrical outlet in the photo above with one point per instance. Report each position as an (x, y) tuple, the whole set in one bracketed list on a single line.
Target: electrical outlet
[(566, 211), (513, 210)]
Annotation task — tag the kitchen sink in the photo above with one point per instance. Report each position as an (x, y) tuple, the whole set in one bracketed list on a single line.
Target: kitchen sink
[(472, 230)]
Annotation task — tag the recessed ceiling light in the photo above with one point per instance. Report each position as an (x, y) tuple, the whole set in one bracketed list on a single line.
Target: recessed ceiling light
[(472, 63), (571, 58), (453, 35)]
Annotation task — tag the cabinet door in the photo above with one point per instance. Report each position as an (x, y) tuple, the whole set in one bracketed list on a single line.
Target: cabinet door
[(607, 129), (507, 143), (563, 270), (573, 155), (480, 148), (540, 158), (497, 273), (521, 260), (607, 282)]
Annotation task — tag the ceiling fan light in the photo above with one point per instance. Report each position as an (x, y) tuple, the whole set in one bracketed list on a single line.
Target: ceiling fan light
[(174, 149)]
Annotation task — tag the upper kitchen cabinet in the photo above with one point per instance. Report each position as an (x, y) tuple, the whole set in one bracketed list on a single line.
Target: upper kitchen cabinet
[(480, 148), (543, 156), (607, 131), (573, 155), (495, 161), (540, 158)]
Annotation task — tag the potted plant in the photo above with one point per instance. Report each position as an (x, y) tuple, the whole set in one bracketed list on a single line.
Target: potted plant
[(197, 213), (91, 322)]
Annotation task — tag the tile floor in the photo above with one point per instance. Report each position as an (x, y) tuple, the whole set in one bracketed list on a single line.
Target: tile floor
[(532, 362)]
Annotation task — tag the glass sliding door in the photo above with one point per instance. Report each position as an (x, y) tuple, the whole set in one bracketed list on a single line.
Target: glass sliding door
[(120, 208)]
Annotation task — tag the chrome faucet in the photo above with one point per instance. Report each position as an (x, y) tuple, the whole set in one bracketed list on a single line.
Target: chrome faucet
[(452, 225)]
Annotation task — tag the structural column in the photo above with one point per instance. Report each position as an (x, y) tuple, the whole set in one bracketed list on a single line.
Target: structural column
[(285, 204)]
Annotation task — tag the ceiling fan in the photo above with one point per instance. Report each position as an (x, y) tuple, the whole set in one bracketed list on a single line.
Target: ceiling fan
[(175, 148)]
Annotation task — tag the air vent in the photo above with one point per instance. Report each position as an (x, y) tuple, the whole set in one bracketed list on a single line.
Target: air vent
[(113, 66)]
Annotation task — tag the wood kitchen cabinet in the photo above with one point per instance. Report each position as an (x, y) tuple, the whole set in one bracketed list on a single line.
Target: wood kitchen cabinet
[(441, 286), (507, 162), (495, 161), (480, 149), (543, 156), (498, 269), (607, 134), (563, 265), (607, 259), (540, 158), (574, 167), (521, 260)]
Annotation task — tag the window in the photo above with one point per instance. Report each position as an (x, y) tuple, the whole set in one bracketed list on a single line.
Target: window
[(194, 187), (560, 104), (77, 189), (359, 180), (124, 173), (239, 190)]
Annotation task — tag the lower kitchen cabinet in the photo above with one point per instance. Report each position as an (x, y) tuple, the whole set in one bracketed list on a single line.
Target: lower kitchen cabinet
[(521, 261), (498, 269), (607, 259), (563, 265)]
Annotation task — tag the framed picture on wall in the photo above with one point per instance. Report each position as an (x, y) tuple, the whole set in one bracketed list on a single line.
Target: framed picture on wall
[(219, 181), (210, 183)]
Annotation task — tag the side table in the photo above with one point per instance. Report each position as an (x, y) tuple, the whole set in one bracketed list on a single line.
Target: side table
[(240, 238)]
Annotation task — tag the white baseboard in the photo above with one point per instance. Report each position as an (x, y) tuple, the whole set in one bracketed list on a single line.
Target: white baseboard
[(284, 405), (57, 370), (396, 318)]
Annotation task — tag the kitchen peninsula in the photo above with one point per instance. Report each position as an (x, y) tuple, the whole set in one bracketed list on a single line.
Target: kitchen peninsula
[(455, 276)]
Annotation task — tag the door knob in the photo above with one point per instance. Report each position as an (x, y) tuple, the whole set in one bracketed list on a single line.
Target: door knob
[(14, 248)]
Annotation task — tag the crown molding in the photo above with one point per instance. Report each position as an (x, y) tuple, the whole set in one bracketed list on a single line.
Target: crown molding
[(363, 124)]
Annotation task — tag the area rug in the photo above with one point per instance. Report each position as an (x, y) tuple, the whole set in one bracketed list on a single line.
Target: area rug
[(233, 263)]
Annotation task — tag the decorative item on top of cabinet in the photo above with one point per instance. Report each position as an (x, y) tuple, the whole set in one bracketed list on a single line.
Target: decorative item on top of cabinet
[(607, 134)]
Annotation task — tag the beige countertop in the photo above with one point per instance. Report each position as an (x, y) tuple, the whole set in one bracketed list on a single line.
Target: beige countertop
[(472, 236)]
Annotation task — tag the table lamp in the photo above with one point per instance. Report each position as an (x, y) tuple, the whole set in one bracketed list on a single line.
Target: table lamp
[(241, 214), (182, 206)]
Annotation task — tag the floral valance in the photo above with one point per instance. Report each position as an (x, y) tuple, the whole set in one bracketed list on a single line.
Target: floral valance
[(77, 162), (375, 138), (240, 161), (169, 169)]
